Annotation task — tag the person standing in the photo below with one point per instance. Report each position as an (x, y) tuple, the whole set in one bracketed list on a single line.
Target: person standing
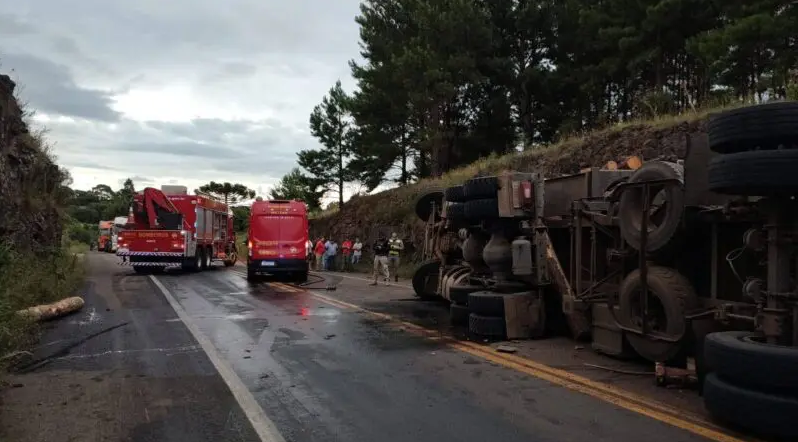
[(381, 260), (395, 246), (346, 255), (332, 251), (357, 251), (319, 251)]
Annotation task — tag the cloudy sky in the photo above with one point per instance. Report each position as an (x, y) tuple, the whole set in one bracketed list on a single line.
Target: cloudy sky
[(177, 91)]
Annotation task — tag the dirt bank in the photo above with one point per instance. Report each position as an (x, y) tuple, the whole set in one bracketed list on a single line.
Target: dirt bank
[(392, 210)]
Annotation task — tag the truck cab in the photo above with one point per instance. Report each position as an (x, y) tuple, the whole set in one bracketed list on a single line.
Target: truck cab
[(104, 239), (277, 239)]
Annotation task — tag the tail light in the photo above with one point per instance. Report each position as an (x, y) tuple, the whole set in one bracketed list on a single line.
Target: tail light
[(527, 195)]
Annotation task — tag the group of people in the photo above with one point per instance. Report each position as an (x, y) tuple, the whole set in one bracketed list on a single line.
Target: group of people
[(387, 252)]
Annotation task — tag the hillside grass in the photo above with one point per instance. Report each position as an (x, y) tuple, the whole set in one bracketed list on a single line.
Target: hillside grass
[(27, 280), (401, 198)]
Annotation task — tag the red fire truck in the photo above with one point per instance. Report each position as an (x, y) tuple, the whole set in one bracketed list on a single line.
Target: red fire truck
[(277, 239), (170, 228)]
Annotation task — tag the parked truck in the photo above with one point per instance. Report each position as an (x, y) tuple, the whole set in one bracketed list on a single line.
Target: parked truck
[(168, 227), (674, 259), (119, 224), (104, 238)]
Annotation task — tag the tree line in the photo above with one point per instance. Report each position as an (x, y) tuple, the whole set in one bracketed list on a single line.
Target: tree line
[(446, 82)]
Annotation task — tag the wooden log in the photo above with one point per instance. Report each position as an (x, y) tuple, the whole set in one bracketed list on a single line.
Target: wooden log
[(45, 312)]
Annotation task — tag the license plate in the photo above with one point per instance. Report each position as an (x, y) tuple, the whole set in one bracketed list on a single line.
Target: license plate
[(267, 263)]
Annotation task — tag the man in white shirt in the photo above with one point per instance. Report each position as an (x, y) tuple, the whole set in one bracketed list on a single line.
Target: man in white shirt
[(357, 251)]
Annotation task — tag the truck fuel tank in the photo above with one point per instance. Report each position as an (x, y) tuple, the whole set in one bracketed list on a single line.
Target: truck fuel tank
[(522, 257)]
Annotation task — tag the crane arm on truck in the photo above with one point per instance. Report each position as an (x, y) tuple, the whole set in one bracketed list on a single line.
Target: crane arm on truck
[(154, 199)]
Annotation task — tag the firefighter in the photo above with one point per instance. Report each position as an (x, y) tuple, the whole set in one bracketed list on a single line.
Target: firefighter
[(395, 247)]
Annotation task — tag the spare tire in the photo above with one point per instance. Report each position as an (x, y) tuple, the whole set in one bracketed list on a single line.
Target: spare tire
[(664, 224), (425, 202), (454, 194), (762, 126), (741, 358), (425, 279), (674, 296)]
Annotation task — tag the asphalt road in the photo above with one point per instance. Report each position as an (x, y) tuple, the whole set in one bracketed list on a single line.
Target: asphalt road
[(317, 371)]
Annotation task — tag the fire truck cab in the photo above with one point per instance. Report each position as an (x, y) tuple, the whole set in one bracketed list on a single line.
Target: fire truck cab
[(277, 239), (170, 228)]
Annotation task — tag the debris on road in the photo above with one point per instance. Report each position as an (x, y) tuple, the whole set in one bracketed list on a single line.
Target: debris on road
[(46, 312), (506, 349)]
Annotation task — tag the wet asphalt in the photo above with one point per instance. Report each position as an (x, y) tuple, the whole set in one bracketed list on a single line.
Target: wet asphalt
[(320, 372)]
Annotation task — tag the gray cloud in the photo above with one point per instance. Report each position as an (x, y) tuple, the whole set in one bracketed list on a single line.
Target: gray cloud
[(240, 77), (49, 87)]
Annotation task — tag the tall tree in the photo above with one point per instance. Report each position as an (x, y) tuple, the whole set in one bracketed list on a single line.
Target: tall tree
[(228, 192), (331, 123), (298, 186)]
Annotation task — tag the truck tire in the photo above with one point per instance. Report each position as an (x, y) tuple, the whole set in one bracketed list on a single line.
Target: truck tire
[(482, 209), (202, 265), (192, 264), (423, 278), (141, 270), (251, 275), (740, 358), (755, 173), (454, 194), (425, 202), (667, 221), (481, 187), (487, 326), (486, 303), (458, 314), (673, 296), (455, 212), (302, 277), (762, 413), (458, 294), (762, 126)]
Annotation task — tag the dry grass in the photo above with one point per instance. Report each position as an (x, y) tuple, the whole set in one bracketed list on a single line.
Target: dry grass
[(396, 204), (27, 280)]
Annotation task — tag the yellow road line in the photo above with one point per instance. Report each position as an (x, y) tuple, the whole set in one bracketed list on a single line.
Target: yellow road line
[(621, 398)]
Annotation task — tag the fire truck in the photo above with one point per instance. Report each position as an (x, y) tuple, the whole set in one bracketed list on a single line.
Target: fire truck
[(167, 227), (104, 239)]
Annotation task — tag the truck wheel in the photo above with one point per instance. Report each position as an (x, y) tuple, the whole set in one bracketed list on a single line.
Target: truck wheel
[(454, 194), (141, 270), (455, 212), (481, 187), (482, 209), (763, 126), (193, 264), (486, 303), (762, 413), (667, 206), (424, 205), (487, 326), (251, 275), (458, 314), (302, 277), (755, 173), (670, 297), (741, 358), (458, 294), (202, 264), (425, 279)]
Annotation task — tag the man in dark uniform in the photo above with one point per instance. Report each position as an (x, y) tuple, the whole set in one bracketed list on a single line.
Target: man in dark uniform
[(381, 249)]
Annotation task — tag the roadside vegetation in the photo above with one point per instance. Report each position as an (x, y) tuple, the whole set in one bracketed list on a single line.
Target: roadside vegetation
[(447, 88)]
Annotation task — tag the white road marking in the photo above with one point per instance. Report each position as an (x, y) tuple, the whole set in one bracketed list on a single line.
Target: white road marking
[(263, 426)]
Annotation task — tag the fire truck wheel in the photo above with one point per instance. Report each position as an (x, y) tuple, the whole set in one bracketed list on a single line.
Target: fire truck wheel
[(755, 173), (670, 297), (454, 194), (425, 202), (301, 277), (763, 413), (487, 326), (203, 263), (192, 264), (764, 126), (665, 211), (141, 270), (425, 279), (482, 209), (481, 187), (458, 314), (743, 358)]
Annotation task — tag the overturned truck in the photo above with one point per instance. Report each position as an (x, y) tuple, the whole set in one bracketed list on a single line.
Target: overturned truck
[(694, 258)]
